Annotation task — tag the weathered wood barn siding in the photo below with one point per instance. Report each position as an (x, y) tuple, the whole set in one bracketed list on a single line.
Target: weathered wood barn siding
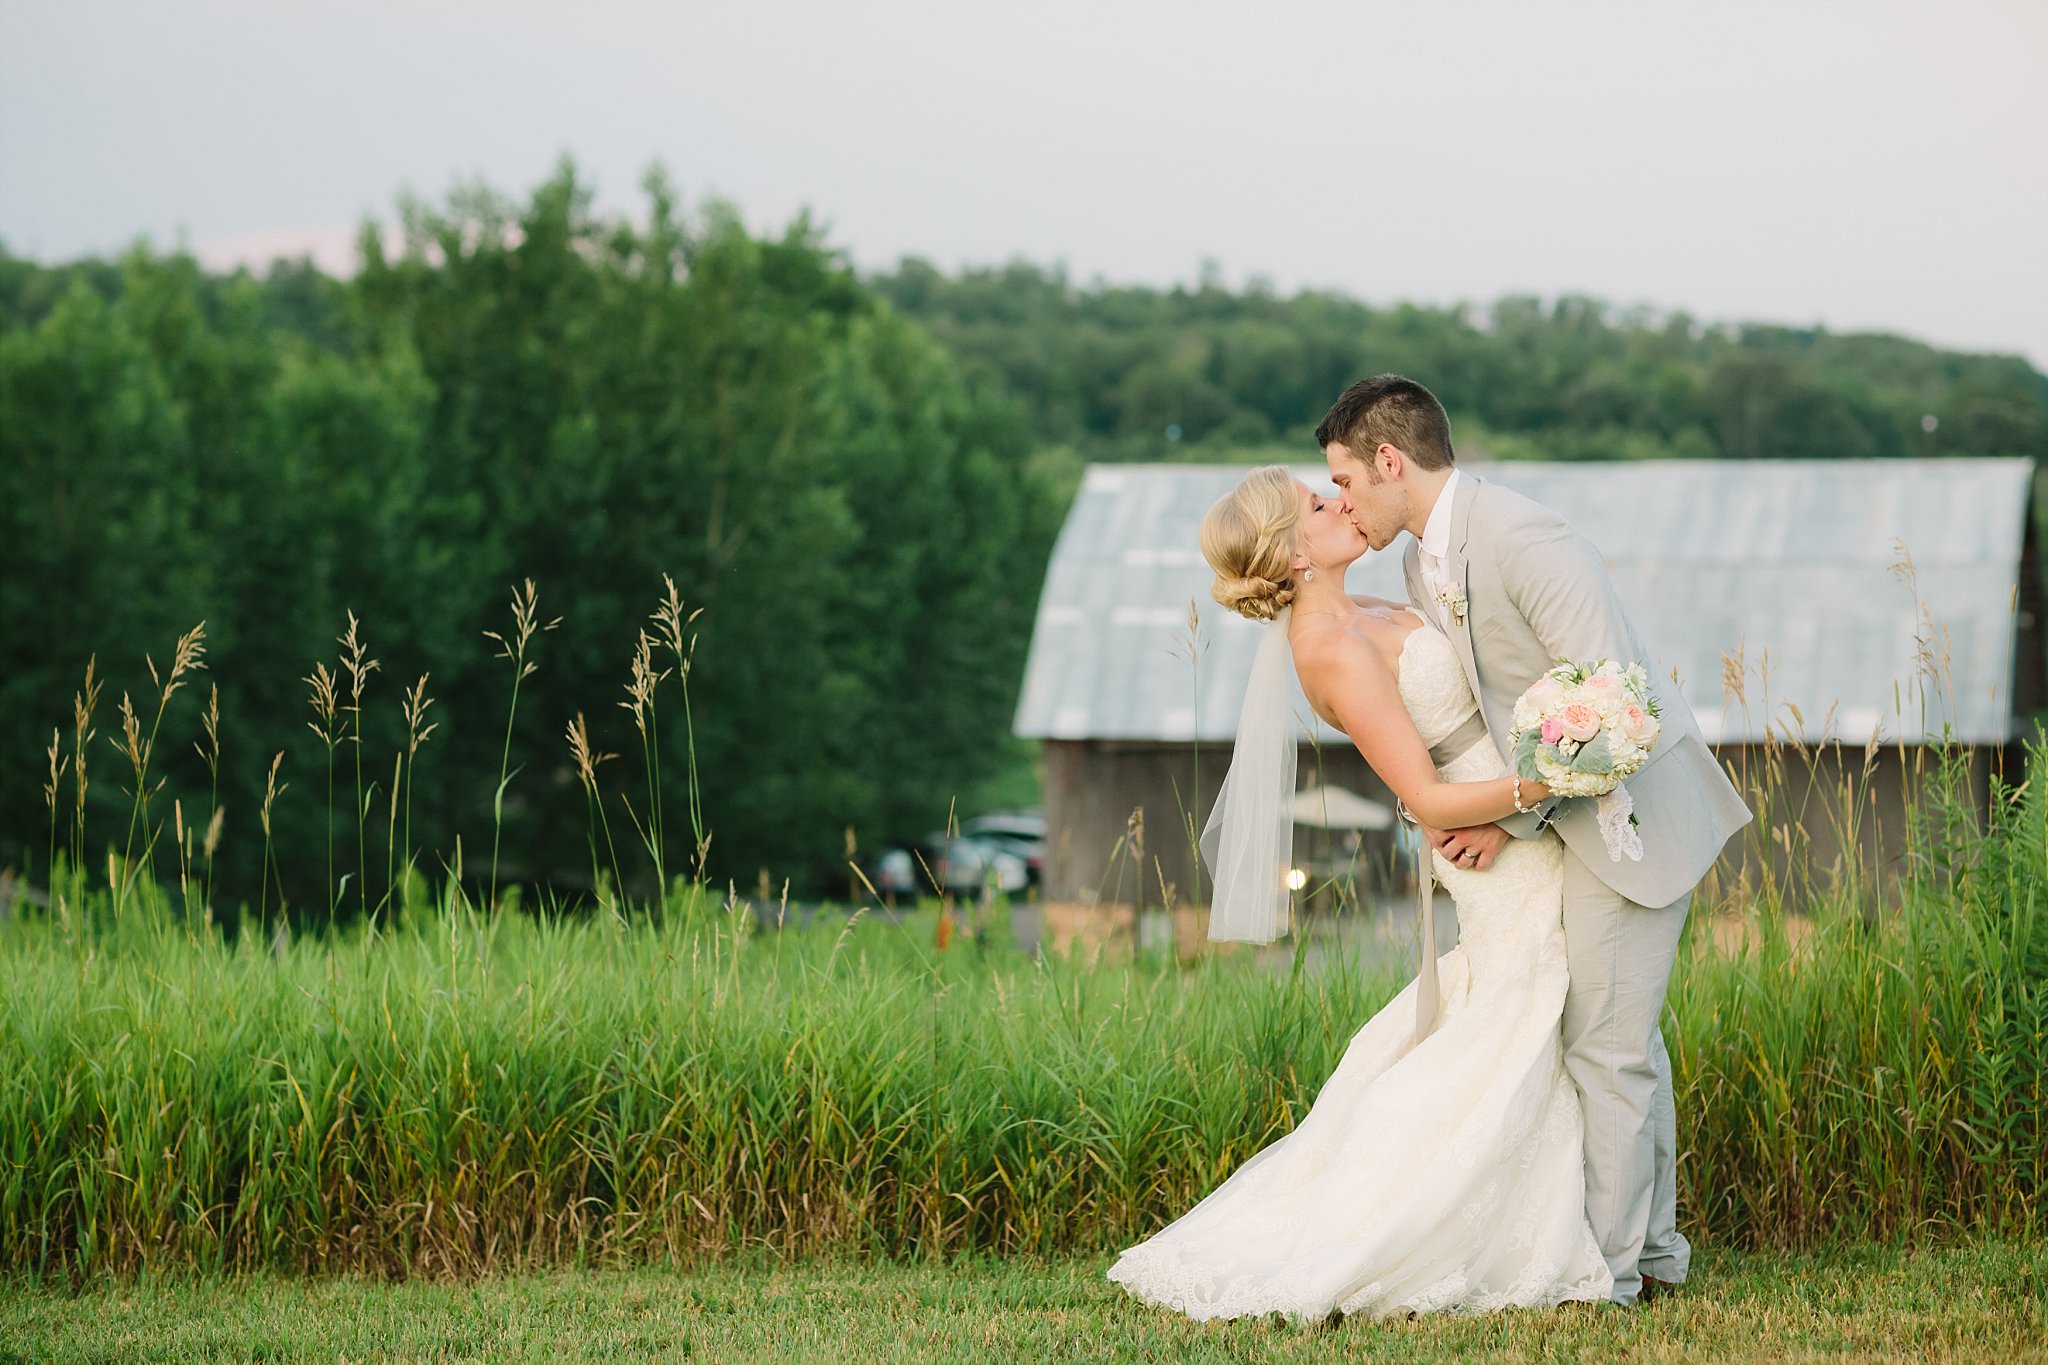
[(1774, 591)]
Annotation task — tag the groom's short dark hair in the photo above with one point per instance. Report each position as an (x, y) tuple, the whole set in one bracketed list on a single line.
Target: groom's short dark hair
[(1391, 409)]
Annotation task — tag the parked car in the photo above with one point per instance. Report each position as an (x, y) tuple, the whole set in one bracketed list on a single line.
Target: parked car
[(968, 865), (1019, 833), (963, 865), (895, 874), (1014, 824)]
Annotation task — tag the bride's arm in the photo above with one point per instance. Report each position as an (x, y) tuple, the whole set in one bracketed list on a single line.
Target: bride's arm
[(1347, 681)]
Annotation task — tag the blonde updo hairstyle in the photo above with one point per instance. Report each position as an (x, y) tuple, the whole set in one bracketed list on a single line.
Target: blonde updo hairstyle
[(1248, 538)]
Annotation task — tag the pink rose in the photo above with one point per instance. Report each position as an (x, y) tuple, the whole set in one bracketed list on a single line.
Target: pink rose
[(1639, 726), (1553, 731), (1602, 682), (1579, 722), (1546, 692)]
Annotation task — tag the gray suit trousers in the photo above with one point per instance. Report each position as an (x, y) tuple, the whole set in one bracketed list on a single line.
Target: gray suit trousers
[(1620, 955)]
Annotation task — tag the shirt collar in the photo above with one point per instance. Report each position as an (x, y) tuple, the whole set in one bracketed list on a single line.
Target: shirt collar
[(1436, 532)]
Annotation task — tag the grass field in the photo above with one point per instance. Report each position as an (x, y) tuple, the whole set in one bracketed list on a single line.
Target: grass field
[(454, 1088), (473, 1092), (1983, 1302), (491, 1095)]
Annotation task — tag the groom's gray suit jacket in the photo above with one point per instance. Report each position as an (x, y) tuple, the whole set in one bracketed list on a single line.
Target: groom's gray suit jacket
[(1536, 591)]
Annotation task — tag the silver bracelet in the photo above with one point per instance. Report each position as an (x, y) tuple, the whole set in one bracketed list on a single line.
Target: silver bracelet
[(1521, 809)]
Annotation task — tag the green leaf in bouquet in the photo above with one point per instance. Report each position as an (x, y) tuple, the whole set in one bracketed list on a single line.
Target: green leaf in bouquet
[(1595, 756), (1525, 755)]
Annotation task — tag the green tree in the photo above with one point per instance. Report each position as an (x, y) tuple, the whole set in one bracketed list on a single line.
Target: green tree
[(524, 391)]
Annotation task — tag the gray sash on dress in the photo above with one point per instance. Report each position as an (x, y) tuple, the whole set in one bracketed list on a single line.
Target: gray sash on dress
[(1428, 994), (1457, 742), (1428, 998)]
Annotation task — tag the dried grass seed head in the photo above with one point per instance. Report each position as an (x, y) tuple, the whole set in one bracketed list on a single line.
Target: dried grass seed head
[(271, 791), (209, 720), (189, 656), (323, 701), (587, 762), (355, 658), (131, 742), (417, 728), (668, 615)]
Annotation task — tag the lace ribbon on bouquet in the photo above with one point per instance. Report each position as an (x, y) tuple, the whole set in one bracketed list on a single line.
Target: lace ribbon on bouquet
[(1615, 811)]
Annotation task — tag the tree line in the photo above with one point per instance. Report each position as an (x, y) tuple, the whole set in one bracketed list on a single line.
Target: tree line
[(855, 480), (517, 392), (1108, 372)]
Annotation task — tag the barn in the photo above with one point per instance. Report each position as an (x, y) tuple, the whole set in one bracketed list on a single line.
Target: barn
[(1858, 608)]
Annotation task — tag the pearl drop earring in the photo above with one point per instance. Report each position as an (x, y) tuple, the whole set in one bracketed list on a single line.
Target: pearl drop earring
[(1308, 575)]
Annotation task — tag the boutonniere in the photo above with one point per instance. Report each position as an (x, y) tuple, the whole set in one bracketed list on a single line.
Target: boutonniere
[(1451, 597)]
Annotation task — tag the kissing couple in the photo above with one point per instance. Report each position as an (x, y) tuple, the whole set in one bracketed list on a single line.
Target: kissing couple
[(1502, 1133)]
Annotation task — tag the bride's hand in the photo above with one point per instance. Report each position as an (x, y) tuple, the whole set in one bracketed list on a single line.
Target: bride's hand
[(1474, 847)]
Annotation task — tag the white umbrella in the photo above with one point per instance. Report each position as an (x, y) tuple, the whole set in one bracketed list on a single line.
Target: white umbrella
[(1336, 808)]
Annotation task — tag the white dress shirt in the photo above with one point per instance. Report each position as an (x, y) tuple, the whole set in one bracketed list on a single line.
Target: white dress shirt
[(1436, 546)]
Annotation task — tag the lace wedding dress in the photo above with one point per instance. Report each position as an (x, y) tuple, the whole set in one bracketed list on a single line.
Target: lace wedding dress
[(1440, 1176)]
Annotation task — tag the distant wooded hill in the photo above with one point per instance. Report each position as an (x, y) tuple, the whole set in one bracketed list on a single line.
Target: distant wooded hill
[(1117, 373)]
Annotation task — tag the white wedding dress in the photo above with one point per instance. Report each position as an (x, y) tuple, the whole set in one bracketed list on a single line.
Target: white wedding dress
[(1444, 1176)]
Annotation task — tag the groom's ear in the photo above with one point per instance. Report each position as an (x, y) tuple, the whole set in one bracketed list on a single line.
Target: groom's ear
[(1390, 461)]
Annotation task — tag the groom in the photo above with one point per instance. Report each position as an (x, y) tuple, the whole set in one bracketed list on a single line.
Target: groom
[(1516, 589)]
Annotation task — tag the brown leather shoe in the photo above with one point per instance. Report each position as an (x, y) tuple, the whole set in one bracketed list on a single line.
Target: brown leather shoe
[(1654, 1289)]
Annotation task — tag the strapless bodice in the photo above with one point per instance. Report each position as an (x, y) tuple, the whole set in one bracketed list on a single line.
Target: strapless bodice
[(1440, 702)]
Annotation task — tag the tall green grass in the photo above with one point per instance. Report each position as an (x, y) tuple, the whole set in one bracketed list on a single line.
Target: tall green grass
[(437, 1086), (1880, 1063), (471, 1091), (459, 1091)]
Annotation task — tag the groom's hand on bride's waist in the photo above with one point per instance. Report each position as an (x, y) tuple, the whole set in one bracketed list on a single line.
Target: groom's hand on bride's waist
[(1482, 843)]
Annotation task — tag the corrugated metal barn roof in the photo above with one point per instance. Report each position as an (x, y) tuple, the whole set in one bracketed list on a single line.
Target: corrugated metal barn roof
[(1791, 557)]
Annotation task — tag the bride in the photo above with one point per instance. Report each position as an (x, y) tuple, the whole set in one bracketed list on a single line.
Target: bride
[(1440, 1167)]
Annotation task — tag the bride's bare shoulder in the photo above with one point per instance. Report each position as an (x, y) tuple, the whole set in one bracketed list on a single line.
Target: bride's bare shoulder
[(1345, 675), (1339, 652)]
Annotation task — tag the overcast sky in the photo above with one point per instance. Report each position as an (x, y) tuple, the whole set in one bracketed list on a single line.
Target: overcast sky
[(1859, 165)]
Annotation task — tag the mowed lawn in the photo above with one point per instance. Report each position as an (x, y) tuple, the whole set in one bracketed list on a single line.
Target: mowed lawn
[(1972, 1303)]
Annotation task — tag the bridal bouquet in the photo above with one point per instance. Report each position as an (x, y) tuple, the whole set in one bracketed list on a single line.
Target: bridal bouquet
[(1582, 729)]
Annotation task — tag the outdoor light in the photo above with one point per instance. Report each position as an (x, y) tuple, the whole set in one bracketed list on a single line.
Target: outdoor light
[(1296, 879)]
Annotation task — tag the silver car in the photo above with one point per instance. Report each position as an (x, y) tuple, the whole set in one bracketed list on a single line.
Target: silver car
[(965, 866)]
